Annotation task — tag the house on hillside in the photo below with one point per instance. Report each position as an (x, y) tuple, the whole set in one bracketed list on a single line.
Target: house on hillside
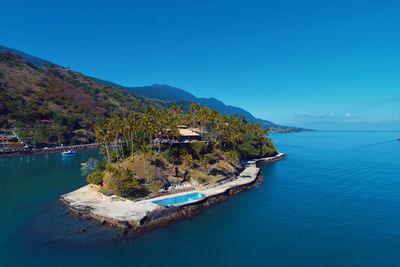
[(187, 134)]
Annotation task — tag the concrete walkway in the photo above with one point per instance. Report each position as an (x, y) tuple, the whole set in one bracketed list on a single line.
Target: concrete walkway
[(88, 198)]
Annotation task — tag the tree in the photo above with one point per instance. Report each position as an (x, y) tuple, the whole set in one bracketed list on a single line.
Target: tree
[(194, 109), (95, 177), (187, 159), (89, 166), (230, 138), (38, 134), (125, 184), (104, 137)]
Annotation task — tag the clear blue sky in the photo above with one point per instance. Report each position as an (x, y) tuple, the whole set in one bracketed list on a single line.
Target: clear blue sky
[(319, 64)]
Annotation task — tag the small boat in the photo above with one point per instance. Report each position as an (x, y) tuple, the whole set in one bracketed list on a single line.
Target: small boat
[(69, 152)]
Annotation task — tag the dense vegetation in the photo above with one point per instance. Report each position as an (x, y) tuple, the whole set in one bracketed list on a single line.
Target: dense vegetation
[(168, 93), (51, 104), (46, 104), (140, 157)]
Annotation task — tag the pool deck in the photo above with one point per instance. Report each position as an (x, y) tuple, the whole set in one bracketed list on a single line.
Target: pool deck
[(87, 199)]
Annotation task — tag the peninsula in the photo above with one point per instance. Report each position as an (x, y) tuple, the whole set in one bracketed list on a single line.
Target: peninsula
[(163, 165)]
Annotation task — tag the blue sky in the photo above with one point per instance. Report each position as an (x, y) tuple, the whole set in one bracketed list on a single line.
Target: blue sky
[(317, 64)]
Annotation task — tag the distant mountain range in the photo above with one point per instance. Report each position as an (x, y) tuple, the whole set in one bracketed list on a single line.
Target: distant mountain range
[(176, 95), (173, 94), (166, 94)]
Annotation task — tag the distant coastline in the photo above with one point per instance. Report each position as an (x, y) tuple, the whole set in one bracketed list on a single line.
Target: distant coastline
[(290, 130)]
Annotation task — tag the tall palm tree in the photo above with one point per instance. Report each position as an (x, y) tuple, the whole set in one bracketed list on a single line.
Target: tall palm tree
[(204, 118), (132, 124), (176, 109), (103, 137), (194, 109)]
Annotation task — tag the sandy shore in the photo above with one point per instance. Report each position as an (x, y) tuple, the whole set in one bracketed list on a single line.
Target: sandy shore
[(144, 215)]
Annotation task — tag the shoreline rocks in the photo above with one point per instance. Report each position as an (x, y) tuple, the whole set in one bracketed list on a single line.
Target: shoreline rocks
[(142, 216)]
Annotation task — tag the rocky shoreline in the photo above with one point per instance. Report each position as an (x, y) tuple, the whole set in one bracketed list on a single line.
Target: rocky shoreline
[(143, 216)]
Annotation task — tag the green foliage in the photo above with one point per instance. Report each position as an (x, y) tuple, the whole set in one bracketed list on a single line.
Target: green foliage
[(126, 185), (237, 138), (187, 159), (198, 148), (95, 177), (89, 166), (53, 105), (226, 140), (58, 100), (210, 158), (199, 177), (232, 155)]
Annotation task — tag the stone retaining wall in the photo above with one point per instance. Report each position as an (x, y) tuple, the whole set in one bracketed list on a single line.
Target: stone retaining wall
[(163, 216)]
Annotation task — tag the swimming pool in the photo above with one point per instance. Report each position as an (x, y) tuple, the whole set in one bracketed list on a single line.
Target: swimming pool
[(180, 200)]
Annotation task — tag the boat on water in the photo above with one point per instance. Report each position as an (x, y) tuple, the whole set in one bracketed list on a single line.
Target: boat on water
[(69, 153)]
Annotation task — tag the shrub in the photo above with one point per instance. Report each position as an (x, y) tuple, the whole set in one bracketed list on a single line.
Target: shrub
[(89, 166), (125, 185), (198, 148), (211, 158), (187, 159), (199, 177), (95, 178), (232, 155)]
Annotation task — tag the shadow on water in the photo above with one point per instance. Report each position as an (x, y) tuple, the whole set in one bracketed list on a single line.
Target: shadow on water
[(54, 227)]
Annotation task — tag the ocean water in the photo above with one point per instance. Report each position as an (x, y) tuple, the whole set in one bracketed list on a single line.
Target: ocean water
[(334, 201)]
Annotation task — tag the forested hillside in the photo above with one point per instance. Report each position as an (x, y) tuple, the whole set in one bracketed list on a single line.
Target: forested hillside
[(52, 104)]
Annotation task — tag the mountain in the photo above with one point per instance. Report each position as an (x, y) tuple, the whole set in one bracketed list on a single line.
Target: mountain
[(170, 94), (28, 58), (230, 110), (105, 97), (173, 94), (52, 104)]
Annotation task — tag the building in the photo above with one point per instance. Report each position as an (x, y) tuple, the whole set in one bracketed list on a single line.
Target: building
[(187, 135)]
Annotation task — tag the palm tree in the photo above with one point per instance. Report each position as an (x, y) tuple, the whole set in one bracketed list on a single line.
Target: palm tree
[(194, 109), (132, 124), (204, 118), (187, 159), (114, 132), (176, 109), (103, 137)]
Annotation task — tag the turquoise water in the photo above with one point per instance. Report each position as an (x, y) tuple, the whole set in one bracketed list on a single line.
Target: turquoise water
[(188, 198), (334, 201)]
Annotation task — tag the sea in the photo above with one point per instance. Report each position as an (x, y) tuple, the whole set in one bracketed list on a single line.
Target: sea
[(334, 201)]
